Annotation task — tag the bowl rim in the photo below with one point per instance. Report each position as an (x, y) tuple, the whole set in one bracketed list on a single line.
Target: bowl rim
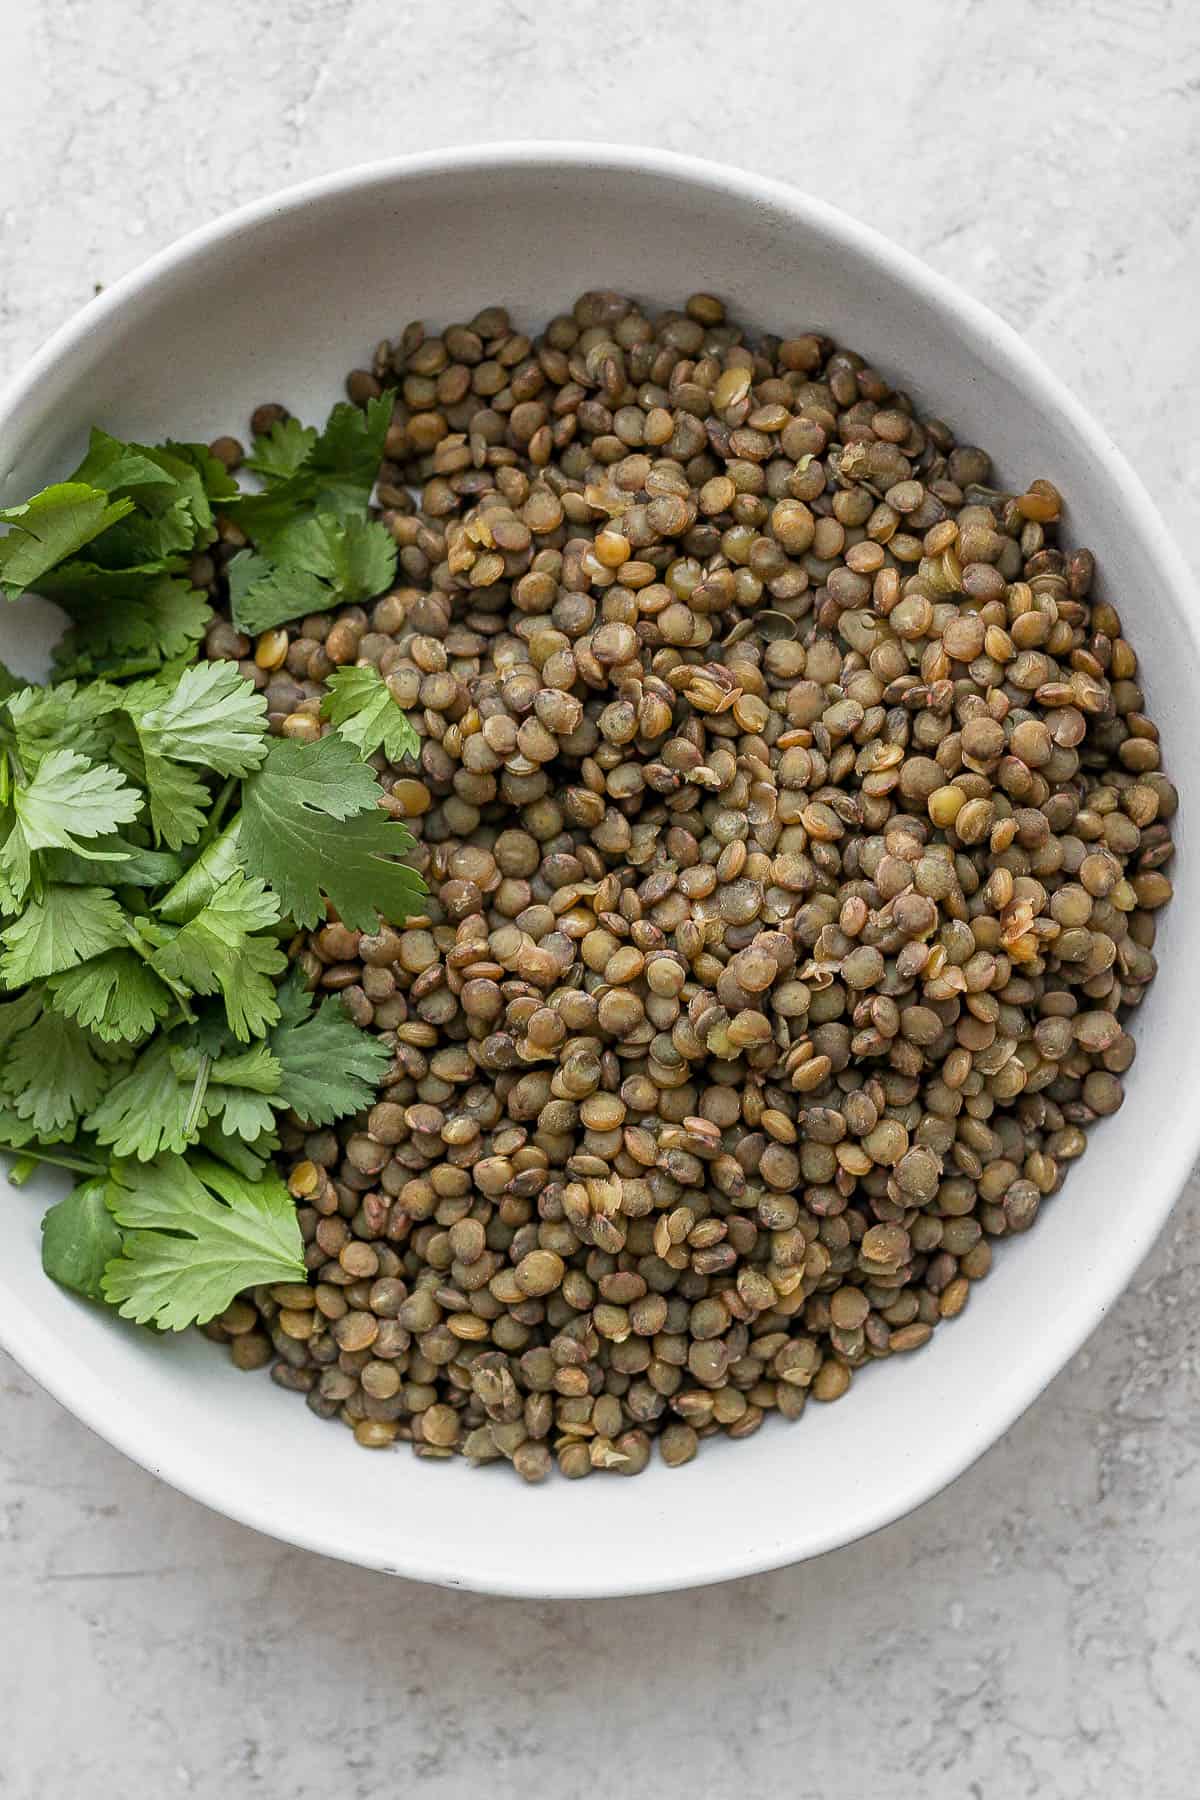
[(38, 1352)]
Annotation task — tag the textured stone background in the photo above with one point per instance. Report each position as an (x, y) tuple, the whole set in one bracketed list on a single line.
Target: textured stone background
[(1034, 1631)]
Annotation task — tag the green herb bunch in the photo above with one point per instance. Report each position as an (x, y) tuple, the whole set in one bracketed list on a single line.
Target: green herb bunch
[(159, 851)]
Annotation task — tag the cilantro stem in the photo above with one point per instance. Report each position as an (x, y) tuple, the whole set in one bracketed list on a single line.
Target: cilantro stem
[(199, 1089), (218, 812), (27, 1160), (12, 772)]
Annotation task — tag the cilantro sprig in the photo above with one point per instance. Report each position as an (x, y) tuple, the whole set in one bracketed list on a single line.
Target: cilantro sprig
[(159, 850), (124, 976), (315, 547), (361, 705), (311, 823)]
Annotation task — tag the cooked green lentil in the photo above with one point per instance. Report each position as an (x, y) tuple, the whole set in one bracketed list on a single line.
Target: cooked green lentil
[(795, 833)]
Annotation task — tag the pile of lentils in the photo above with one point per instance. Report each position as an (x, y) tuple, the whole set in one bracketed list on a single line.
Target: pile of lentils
[(794, 833)]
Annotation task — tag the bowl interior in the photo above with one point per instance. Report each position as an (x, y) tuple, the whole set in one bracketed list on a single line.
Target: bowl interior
[(277, 307)]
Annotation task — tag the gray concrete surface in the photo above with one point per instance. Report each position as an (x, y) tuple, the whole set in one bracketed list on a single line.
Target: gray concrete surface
[(1033, 1633)]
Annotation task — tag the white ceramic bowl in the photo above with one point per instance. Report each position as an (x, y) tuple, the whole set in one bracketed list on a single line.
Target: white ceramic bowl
[(275, 302)]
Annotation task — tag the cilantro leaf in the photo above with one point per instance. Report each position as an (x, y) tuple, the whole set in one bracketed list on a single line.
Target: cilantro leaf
[(170, 1095), (360, 704), (115, 995), (318, 562), (64, 717), (367, 559), (196, 1235), (178, 801), (81, 584), (281, 451), (294, 997), (196, 886), (328, 1067), (249, 1159), (62, 927), (17, 1015), (266, 518), (53, 525), (146, 1110), (262, 593), (112, 465), (346, 456), (236, 1088), (11, 898), (52, 1073), (208, 715), (72, 798), (357, 556), (211, 1034), (211, 716), (314, 544), (216, 482), (116, 861), (125, 597), (327, 777), (256, 1069), (336, 476), (172, 512), (310, 826), (241, 1112), (68, 799), (17, 1133), (79, 1237), (216, 953), (161, 538), (139, 511), (154, 619)]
